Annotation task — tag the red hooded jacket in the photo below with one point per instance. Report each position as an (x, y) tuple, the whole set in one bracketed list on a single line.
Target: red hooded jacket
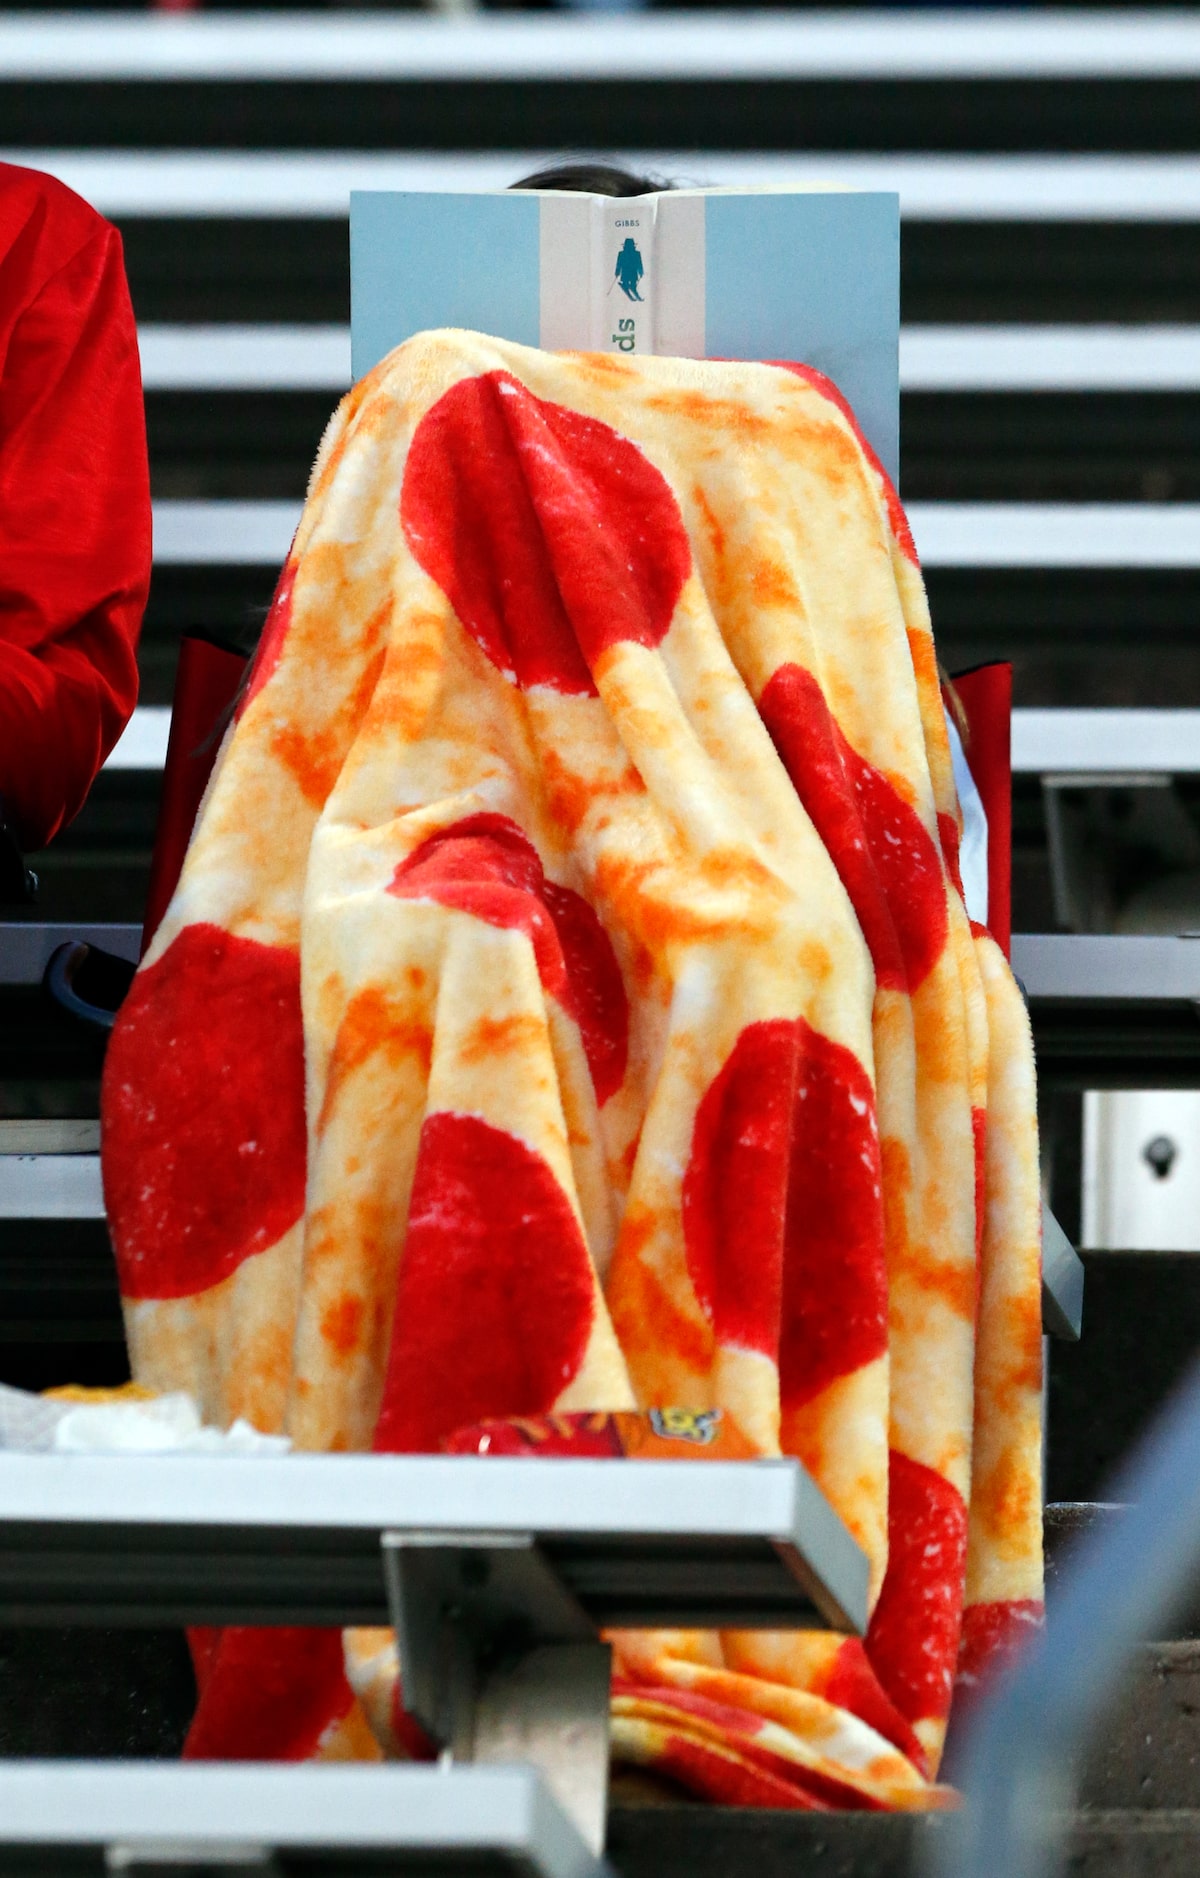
[(74, 501)]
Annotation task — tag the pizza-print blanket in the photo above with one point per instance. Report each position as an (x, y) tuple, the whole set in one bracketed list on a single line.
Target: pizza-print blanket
[(568, 1005)]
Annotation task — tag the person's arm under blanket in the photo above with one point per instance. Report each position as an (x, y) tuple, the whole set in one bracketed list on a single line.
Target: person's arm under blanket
[(74, 502)]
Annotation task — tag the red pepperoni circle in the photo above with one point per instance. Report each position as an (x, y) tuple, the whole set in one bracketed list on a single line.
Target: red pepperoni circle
[(782, 1206), (834, 1269), (485, 865), (993, 1636), (274, 632), (883, 853), (551, 535), (203, 1108), (269, 1695), (735, 1188), (496, 1293), (913, 1638), (948, 835)]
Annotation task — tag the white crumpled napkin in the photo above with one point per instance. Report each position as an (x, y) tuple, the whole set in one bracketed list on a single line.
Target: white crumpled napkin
[(169, 1424)]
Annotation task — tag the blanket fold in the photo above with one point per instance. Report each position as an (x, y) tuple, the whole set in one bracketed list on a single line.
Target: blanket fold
[(568, 1005)]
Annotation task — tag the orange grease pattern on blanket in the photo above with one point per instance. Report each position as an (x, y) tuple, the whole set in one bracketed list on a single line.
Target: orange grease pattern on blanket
[(567, 1005)]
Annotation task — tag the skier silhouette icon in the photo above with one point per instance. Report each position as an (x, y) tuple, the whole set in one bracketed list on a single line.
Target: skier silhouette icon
[(629, 269)]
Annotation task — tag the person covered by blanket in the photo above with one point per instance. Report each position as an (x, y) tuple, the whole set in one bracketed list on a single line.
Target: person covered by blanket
[(592, 177), (74, 508), (574, 961)]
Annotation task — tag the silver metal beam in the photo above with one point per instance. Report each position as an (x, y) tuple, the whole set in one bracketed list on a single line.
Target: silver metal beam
[(297, 1539), (1106, 743), (245, 358), (543, 1696), (948, 534), (1062, 1282), (223, 534), (143, 742), (50, 1136), (1056, 534), (50, 1186), (476, 1820), (932, 358), (887, 44), (1044, 742), (317, 183), (1049, 358), (1103, 968)]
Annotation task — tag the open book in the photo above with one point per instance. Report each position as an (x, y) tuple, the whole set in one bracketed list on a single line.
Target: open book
[(808, 275)]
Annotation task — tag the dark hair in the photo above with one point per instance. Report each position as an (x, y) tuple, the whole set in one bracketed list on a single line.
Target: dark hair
[(593, 179)]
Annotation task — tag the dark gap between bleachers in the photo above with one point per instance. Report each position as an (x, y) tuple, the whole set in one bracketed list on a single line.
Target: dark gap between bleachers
[(296, 269), (1042, 115), (958, 446)]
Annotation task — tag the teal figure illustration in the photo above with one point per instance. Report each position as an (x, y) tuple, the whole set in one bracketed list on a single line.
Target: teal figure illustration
[(629, 269)]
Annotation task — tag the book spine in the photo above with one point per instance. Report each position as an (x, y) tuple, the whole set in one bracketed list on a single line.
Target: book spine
[(623, 290), (622, 274)]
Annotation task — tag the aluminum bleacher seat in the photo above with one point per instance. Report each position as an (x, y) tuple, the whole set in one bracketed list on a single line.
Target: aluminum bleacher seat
[(256, 1821), (497, 1575)]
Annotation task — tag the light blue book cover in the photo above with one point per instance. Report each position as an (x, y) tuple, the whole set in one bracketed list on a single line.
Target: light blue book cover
[(805, 275)]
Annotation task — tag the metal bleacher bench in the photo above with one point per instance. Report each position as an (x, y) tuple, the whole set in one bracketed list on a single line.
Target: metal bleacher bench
[(497, 1575), (1044, 742), (150, 1818)]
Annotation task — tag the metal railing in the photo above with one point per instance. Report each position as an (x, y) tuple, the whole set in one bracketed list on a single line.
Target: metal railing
[(316, 184), (1128, 1578)]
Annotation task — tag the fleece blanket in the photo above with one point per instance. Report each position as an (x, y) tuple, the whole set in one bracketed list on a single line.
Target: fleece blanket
[(568, 1005)]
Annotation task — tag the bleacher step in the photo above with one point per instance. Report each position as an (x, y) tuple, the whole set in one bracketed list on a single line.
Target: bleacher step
[(1139, 1336), (1148, 1758), (699, 1842)]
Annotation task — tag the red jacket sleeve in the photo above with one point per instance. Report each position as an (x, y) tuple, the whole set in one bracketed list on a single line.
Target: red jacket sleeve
[(74, 535)]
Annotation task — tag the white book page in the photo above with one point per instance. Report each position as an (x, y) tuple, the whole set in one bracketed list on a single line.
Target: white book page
[(565, 290), (679, 304)]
